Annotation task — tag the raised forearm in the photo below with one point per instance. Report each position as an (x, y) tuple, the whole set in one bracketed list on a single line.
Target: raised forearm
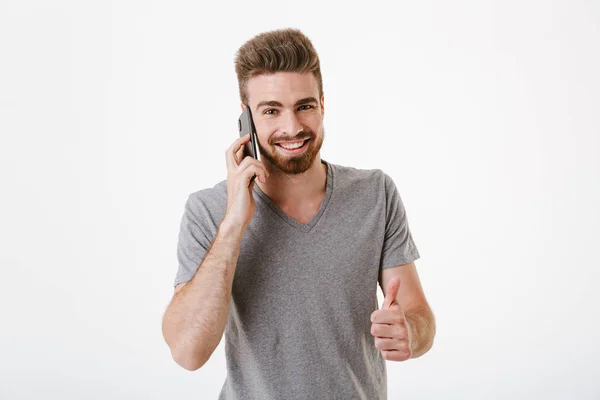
[(195, 320), (422, 327)]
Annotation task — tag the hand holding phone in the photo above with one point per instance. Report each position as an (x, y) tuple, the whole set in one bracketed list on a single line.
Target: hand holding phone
[(241, 172), (240, 200)]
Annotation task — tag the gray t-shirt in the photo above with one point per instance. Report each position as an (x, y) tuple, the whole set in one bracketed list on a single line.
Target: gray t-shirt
[(299, 322)]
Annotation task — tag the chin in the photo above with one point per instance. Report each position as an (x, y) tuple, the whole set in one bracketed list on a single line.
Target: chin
[(293, 165)]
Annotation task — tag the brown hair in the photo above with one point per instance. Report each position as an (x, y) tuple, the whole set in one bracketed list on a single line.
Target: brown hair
[(285, 50)]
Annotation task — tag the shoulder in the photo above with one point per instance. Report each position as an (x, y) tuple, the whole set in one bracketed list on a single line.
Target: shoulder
[(208, 203), (347, 177), (215, 194)]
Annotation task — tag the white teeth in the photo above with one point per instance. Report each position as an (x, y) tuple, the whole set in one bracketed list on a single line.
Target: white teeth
[(292, 146)]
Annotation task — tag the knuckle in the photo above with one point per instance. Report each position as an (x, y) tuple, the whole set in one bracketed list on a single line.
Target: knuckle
[(404, 346), (373, 316), (245, 162)]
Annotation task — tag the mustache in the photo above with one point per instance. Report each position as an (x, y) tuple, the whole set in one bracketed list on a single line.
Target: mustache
[(297, 138)]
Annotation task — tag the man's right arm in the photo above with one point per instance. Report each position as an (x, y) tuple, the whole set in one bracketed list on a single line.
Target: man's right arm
[(195, 320)]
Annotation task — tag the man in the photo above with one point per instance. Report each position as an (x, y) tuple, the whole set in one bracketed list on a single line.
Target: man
[(299, 252)]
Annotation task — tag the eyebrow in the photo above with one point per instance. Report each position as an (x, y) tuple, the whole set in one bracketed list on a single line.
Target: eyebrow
[(274, 103)]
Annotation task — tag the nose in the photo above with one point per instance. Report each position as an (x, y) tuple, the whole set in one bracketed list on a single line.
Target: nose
[(291, 124)]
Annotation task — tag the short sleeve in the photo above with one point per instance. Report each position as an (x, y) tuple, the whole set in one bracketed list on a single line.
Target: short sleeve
[(398, 245), (193, 242)]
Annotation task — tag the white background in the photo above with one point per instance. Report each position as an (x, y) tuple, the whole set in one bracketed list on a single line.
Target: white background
[(485, 114)]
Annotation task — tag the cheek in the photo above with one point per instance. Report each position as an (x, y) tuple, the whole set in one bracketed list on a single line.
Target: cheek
[(314, 119), (265, 128), (312, 123), (263, 131)]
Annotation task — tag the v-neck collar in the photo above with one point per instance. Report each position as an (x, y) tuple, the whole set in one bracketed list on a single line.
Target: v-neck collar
[(291, 221)]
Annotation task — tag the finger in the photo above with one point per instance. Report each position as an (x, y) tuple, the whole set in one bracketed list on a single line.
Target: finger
[(383, 330), (396, 355), (392, 292), (387, 316), (239, 155), (252, 161), (390, 344), (232, 150), (389, 331), (249, 171)]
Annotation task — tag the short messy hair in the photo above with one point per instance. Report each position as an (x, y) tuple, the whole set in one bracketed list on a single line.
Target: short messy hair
[(281, 50)]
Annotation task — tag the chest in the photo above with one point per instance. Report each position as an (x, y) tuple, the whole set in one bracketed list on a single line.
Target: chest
[(338, 258)]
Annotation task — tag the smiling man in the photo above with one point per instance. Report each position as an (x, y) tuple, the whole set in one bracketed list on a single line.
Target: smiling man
[(287, 266)]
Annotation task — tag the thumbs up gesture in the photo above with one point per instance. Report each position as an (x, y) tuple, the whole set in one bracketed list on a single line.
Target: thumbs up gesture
[(390, 328)]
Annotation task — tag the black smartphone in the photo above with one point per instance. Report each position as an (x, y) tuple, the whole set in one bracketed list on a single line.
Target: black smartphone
[(246, 126)]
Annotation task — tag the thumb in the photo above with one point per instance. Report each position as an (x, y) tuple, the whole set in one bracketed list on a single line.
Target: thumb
[(392, 292)]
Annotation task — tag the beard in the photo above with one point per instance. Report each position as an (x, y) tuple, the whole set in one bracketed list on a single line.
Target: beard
[(293, 164)]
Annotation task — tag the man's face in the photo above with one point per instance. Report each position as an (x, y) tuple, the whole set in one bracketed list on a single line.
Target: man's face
[(286, 107)]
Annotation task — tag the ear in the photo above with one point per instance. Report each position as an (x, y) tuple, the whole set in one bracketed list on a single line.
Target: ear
[(323, 104), (243, 106)]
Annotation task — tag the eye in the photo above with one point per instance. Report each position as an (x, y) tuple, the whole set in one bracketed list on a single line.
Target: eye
[(267, 112)]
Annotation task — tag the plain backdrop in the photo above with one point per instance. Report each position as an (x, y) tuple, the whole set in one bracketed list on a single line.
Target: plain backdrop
[(485, 114)]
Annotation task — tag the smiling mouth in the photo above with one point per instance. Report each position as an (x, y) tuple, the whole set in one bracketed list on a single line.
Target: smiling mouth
[(295, 150), (302, 144)]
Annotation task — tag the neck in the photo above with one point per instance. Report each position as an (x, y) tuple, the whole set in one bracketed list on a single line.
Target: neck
[(292, 190)]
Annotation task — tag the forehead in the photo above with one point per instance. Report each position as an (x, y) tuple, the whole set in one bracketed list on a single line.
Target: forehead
[(286, 87)]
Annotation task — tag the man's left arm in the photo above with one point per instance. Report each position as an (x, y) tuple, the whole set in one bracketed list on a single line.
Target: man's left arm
[(405, 318)]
